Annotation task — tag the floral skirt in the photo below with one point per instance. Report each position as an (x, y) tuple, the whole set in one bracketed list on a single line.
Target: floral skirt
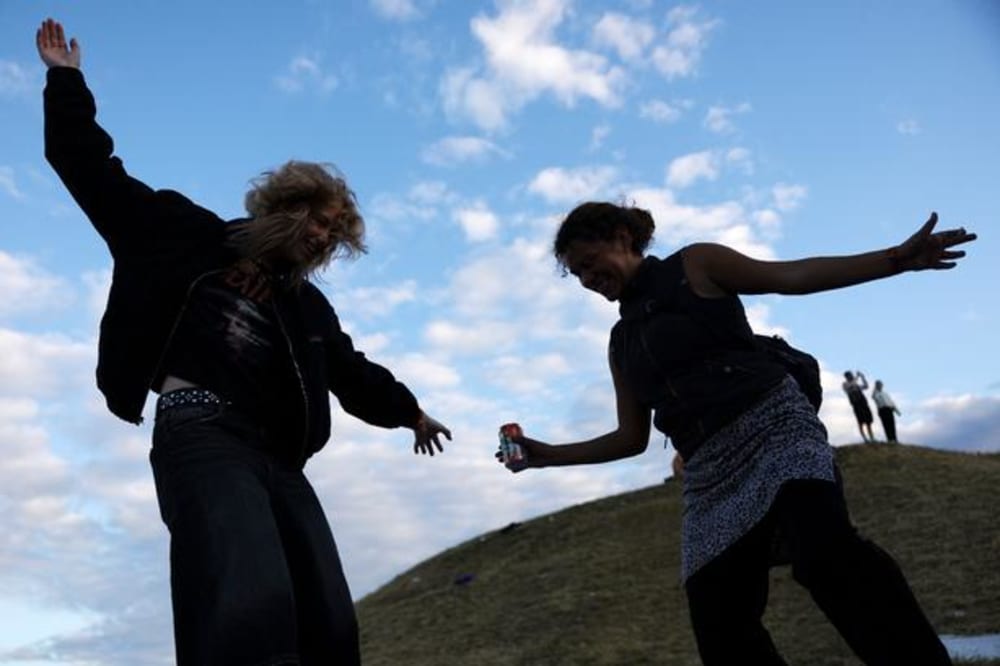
[(732, 479)]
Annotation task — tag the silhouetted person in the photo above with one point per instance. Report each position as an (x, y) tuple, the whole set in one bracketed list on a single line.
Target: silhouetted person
[(757, 462), (887, 411), (221, 320), (855, 386)]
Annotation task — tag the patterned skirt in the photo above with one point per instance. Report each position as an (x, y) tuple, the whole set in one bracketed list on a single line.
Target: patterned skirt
[(732, 479)]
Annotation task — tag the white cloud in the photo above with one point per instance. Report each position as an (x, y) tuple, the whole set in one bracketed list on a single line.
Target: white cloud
[(481, 100), (16, 80), (719, 118), (453, 150), (660, 111), (26, 287), (528, 374), (788, 197), (740, 158), (421, 371), (432, 192), (481, 337), (8, 184), (598, 135), (685, 43), (305, 73), (393, 208), (686, 170), (37, 365), (766, 218), (677, 224), (626, 35), (398, 10), (477, 221), (558, 185), (524, 61), (909, 126), (964, 422), (374, 302)]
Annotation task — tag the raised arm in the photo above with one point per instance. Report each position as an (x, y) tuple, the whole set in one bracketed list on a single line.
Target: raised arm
[(630, 438), (715, 270), (129, 215)]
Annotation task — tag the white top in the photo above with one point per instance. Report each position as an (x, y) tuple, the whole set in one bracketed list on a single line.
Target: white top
[(882, 399)]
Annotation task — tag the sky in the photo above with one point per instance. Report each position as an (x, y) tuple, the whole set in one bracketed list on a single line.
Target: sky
[(468, 130)]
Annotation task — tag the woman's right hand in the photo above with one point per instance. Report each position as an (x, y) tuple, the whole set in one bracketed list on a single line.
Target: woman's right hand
[(536, 454), (52, 47)]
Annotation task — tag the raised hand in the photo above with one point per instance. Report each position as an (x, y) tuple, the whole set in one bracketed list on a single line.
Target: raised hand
[(930, 249), (426, 435), (52, 47)]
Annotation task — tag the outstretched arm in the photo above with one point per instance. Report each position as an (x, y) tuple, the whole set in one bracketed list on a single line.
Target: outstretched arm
[(715, 270)]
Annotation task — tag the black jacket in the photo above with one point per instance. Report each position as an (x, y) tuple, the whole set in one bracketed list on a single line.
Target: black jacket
[(161, 244)]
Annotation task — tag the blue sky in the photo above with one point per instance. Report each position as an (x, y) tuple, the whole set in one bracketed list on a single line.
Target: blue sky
[(468, 129)]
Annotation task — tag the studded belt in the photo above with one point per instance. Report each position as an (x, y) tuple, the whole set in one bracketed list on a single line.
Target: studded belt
[(187, 396)]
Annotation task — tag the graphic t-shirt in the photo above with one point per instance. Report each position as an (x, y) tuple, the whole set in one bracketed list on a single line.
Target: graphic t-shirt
[(229, 339)]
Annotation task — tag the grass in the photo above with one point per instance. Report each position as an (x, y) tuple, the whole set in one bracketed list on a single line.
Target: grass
[(597, 584)]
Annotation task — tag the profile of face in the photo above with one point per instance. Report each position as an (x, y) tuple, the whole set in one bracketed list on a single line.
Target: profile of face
[(603, 266)]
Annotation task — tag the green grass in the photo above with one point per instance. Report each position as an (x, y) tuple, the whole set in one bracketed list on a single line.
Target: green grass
[(598, 583)]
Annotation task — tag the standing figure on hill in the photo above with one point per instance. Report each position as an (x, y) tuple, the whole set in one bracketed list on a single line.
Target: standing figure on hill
[(221, 320), (855, 386), (757, 462), (887, 411)]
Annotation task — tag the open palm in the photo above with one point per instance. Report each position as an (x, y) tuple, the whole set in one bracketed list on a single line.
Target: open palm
[(52, 46)]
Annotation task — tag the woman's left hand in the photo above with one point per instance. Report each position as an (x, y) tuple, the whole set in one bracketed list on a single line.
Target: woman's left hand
[(930, 249), (426, 435)]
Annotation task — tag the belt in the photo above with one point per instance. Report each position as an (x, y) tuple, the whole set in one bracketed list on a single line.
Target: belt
[(187, 396)]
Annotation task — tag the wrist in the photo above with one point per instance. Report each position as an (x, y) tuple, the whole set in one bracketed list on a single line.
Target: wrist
[(895, 260)]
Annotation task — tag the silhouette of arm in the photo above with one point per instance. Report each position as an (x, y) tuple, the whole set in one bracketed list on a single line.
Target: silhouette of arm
[(715, 270), (126, 212), (630, 438)]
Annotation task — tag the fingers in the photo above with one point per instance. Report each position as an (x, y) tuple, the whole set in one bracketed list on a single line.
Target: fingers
[(425, 442), (929, 225)]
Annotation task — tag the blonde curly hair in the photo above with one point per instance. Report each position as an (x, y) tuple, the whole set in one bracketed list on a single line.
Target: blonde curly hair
[(285, 201)]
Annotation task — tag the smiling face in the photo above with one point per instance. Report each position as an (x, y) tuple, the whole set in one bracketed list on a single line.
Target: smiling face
[(319, 237), (603, 266), (303, 215)]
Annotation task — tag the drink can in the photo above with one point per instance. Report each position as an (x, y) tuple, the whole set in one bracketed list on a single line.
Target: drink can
[(510, 450)]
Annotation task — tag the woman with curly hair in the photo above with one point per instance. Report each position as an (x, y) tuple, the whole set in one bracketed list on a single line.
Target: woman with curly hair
[(221, 320), (759, 477)]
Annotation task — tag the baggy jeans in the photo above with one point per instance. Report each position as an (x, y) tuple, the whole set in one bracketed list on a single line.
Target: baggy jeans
[(255, 576)]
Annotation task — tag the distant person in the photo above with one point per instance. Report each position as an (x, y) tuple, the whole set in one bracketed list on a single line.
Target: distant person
[(855, 386), (756, 458), (887, 411), (221, 319)]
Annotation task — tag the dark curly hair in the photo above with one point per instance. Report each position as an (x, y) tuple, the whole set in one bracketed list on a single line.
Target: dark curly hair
[(598, 221)]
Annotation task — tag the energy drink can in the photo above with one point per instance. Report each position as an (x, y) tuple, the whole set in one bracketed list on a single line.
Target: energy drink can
[(510, 451)]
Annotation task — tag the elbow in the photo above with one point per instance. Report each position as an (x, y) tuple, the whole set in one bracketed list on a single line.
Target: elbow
[(632, 444)]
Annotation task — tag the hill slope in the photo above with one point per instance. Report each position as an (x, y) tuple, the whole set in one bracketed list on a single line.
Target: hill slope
[(598, 583)]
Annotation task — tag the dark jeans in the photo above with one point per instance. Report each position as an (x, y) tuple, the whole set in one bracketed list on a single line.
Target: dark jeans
[(888, 418), (254, 572), (855, 583)]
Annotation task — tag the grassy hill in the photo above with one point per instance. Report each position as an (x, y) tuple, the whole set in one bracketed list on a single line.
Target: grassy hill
[(598, 583)]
